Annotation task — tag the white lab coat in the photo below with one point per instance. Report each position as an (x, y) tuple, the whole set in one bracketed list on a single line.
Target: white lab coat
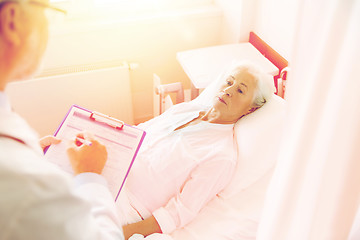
[(38, 201)]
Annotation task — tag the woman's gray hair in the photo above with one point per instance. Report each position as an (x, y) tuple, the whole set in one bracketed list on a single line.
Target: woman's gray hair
[(264, 82)]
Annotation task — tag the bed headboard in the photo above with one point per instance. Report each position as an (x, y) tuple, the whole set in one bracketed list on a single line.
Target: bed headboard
[(274, 57)]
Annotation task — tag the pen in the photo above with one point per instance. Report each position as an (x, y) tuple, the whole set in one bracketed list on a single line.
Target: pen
[(80, 141)]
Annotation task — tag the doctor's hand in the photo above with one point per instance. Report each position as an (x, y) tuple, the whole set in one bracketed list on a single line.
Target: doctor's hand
[(48, 140), (86, 154)]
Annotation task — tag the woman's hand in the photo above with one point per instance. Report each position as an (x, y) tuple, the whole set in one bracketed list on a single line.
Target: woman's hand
[(87, 157), (48, 140), (144, 227)]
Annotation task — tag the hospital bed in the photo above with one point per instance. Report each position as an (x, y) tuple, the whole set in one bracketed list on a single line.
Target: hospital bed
[(234, 214)]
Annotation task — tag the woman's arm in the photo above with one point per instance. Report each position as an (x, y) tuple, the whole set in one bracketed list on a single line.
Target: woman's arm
[(207, 180), (145, 227)]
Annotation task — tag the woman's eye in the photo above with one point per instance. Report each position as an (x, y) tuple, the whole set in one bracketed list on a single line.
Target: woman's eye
[(239, 90), (228, 83)]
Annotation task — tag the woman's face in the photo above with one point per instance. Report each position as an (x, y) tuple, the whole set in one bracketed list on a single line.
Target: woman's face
[(235, 97)]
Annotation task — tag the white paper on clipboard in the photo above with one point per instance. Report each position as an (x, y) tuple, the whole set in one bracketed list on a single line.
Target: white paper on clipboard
[(122, 143)]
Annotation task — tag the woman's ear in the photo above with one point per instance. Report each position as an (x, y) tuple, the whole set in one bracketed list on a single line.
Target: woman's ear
[(10, 23), (253, 109)]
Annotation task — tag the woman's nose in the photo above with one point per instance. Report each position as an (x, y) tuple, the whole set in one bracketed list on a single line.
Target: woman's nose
[(227, 92)]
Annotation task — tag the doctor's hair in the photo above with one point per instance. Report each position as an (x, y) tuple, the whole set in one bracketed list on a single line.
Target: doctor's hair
[(264, 82), (3, 2), (1, 5)]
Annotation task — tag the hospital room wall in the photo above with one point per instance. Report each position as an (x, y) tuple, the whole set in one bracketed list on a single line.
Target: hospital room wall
[(272, 20), (150, 42), (239, 19), (276, 24), (153, 42)]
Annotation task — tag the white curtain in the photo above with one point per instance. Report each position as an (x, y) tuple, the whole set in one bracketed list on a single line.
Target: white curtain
[(315, 191)]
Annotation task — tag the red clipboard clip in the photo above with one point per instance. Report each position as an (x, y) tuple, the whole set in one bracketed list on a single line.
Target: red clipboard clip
[(113, 122)]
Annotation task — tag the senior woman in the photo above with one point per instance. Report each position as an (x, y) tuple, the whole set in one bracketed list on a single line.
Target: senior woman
[(189, 155)]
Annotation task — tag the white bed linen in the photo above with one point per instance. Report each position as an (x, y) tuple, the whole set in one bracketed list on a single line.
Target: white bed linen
[(235, 213)]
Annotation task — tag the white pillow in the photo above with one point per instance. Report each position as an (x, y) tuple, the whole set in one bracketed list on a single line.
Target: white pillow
[(206, 97), (258, 137)]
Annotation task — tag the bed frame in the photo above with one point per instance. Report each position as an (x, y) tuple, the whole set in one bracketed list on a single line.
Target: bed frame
[(161, 91), (276, 59)]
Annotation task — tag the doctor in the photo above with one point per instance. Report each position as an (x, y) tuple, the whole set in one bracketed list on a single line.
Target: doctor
[(37, 200)]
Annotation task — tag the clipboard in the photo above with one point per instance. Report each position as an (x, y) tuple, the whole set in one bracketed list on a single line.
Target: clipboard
[(122, 143)]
